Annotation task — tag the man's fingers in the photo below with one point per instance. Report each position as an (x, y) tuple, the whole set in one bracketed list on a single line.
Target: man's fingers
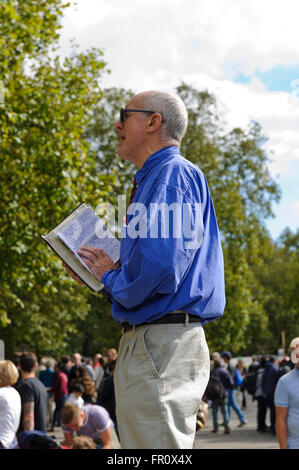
[(71, 272), (87, 255), (93, 250)]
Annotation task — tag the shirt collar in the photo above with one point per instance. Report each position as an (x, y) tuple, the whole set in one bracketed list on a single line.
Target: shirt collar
[(164, 154)]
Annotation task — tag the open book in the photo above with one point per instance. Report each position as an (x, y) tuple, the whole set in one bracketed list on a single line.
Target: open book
[(82, 228)]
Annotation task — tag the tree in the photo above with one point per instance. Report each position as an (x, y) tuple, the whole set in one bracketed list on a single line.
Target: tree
[(235, 165), (46, 170), (279, 277)]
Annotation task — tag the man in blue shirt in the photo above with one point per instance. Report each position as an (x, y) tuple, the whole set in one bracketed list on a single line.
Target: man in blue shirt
[(287, 403), (170, 281)]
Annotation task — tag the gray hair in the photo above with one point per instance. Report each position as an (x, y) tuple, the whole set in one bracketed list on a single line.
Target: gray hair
[(173, 111)]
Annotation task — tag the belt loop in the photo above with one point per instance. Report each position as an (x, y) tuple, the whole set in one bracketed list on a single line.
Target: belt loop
[(186, 319), (134, 328)]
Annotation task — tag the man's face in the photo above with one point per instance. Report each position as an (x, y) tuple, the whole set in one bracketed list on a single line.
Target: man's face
[(294, 350), (77, 422), (110, 355), (132, 133), (77, 358)]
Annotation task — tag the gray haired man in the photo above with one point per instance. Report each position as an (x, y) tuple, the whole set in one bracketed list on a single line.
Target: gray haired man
[(170, 282)]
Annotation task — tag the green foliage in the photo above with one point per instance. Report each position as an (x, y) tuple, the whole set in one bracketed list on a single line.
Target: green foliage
[(234, 163), (279, 277), (46, 170)]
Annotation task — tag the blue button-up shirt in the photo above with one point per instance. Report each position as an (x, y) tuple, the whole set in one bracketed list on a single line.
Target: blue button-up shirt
[(173, 263)]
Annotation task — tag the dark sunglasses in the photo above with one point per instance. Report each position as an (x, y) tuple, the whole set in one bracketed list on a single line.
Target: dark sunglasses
[(123, 112)]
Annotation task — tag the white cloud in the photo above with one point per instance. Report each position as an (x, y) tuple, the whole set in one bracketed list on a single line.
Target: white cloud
[(157, 44), (218, 35)]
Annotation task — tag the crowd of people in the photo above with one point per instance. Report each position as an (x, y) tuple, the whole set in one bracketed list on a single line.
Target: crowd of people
[(260, 380), (75, 393)]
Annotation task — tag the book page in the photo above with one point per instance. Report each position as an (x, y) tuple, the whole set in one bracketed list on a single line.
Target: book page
[(87, 229)]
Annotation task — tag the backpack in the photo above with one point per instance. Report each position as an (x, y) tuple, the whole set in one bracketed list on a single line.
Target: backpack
[(36, 440), (283, 369), (214, 388), (250, 382)]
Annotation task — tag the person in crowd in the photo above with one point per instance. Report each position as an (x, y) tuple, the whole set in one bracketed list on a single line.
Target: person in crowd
[(60, 392), (92, 421), (10, 405), (107, 396), (240, 367), (286, 400), (112, 355), (33, 396), (77, 360), (232, 404), (47, 378), (260, 396), (83, 442), (255, 364), (66, 364), (76, 397), (269, 381), (99, 375), (83, 377), (96, 361), (87, 363), (170, 276), (285, 366), (214, 356), (16, 362), (105, 365), (221, 402)]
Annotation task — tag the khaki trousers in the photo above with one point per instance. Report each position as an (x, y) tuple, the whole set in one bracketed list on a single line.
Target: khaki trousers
[(161, 374)]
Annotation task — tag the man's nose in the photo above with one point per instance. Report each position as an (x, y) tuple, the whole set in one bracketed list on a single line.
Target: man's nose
[(118, 125)]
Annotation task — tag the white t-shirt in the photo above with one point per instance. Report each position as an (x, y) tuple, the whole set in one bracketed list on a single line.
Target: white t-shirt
[(10, 414), (73, 400)]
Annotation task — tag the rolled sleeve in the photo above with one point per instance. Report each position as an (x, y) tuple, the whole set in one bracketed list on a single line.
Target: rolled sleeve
[(281, 396)]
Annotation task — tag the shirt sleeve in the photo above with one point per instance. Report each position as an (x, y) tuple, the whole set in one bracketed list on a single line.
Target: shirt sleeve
[(26, 393), (281, 395), (101, 418), (160, 258)]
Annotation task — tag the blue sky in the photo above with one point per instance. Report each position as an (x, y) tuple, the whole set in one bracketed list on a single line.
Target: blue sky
[(279, 78), (246, 53)]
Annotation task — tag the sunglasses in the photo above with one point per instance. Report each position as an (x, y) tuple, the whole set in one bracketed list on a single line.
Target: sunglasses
[(123, 112)]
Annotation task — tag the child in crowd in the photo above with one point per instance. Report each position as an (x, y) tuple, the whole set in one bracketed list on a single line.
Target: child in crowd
[(75, 398), (83, 442)]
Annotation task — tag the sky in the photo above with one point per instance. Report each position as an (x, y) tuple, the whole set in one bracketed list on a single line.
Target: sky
[(244, 52)]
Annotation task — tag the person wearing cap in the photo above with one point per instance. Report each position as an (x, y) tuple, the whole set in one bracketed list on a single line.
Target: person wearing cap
[(170, 281), (286, 400), (232, 404)]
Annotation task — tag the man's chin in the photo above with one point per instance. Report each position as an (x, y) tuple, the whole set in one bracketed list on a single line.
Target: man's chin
[(122, 155)]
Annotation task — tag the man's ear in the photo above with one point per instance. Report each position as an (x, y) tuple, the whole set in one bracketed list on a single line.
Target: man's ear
[(154, 123)]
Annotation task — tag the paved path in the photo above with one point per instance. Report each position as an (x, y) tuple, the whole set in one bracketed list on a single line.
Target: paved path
[(239, 438)]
